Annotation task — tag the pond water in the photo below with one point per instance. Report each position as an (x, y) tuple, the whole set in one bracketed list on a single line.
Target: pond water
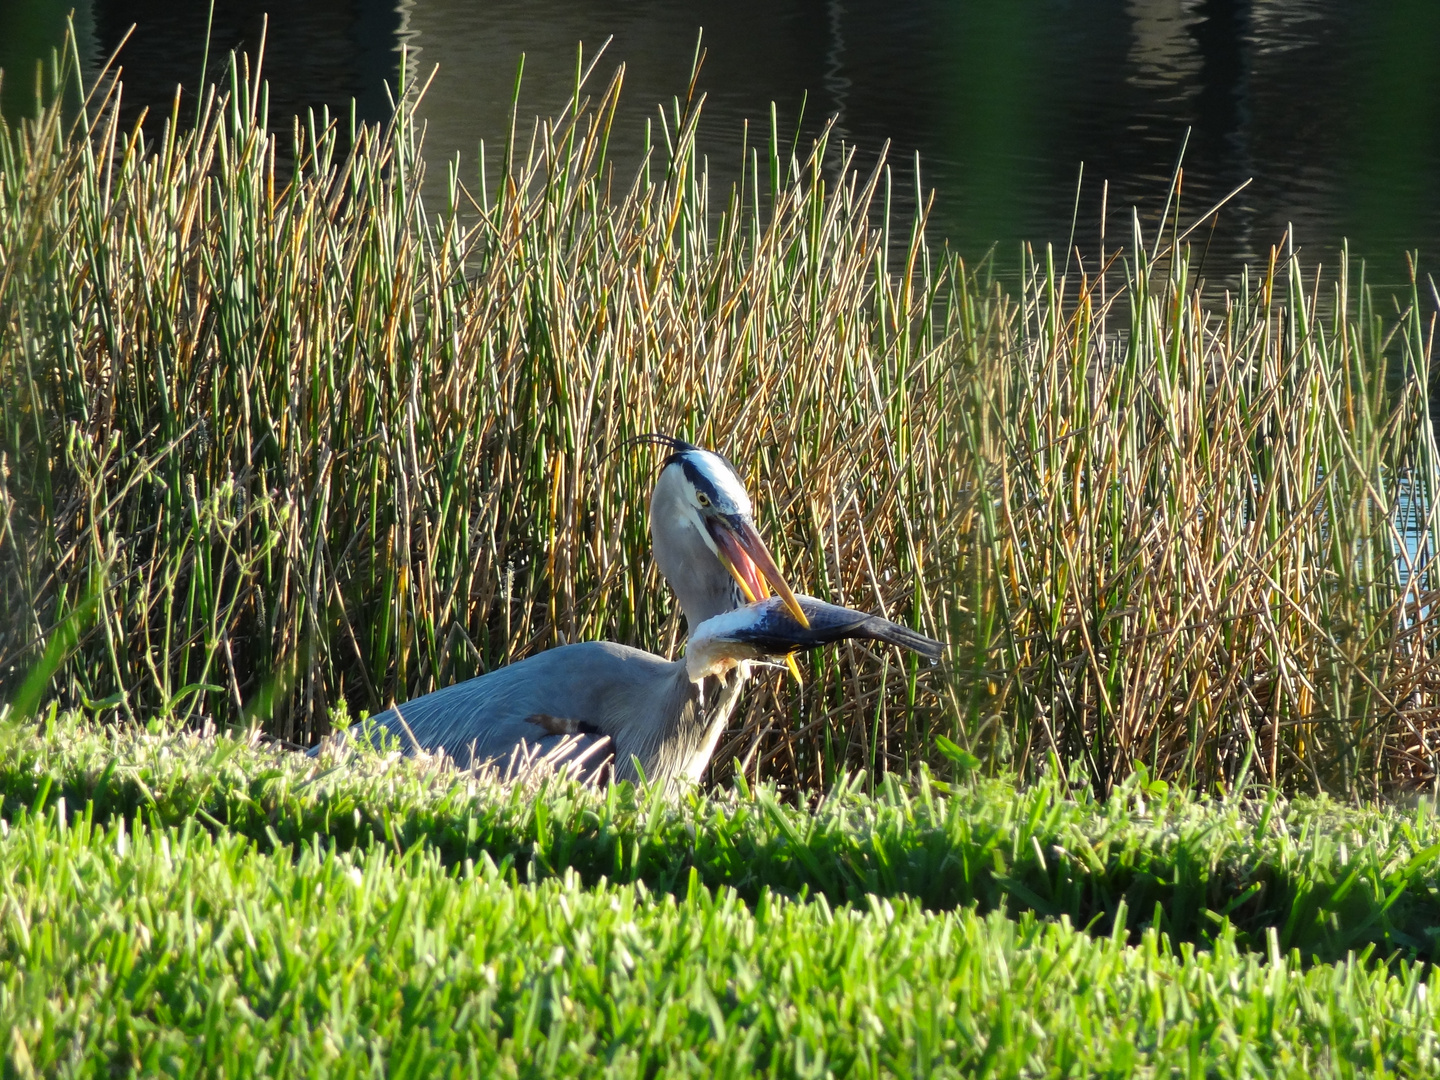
[(1332, 107)]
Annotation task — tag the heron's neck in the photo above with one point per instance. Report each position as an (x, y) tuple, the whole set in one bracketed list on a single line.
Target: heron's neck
[(700, 582), (714, 648), (691, 721)]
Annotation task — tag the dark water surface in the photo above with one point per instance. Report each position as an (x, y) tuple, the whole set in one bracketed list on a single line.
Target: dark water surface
[(1332, 106)]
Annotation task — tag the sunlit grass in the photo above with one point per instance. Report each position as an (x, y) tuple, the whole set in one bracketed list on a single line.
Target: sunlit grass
[(1321, 878), (140, 932), (277, 434)]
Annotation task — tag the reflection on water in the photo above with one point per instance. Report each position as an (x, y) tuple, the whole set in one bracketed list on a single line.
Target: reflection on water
[(1333, 106), (29, 31)]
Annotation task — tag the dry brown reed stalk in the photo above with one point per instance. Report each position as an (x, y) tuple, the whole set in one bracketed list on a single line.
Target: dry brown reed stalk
[(280, 438)]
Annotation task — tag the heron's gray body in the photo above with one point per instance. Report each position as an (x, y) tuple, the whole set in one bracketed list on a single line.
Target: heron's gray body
[(580, 689), (645, 706)]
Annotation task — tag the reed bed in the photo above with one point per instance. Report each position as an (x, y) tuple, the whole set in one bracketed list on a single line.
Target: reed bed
[(283, 437)]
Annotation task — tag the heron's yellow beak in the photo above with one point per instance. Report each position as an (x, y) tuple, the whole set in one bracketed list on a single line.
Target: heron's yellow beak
[(750, 563)]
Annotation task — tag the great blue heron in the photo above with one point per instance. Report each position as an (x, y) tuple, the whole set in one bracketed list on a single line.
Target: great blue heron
[(589, 698), (705, 542), (664, 716)]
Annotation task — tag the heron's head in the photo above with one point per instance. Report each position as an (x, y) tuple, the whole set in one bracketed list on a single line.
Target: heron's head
[(701, 521)]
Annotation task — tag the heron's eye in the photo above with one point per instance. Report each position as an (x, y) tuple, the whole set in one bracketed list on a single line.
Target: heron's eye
[(702, 498)]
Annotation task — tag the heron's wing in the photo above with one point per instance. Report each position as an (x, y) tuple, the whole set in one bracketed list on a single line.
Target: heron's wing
[(587, 757), (771, 628), (527, 708), (510, 745)]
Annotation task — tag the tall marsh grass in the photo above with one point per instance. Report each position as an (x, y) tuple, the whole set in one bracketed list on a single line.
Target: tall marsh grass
[(279, 433)]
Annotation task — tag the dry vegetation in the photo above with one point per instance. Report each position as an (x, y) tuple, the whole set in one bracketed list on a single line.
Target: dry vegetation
[(279, 436)]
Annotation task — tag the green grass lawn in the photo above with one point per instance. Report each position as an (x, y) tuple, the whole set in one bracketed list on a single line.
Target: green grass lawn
[(178, 905)]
